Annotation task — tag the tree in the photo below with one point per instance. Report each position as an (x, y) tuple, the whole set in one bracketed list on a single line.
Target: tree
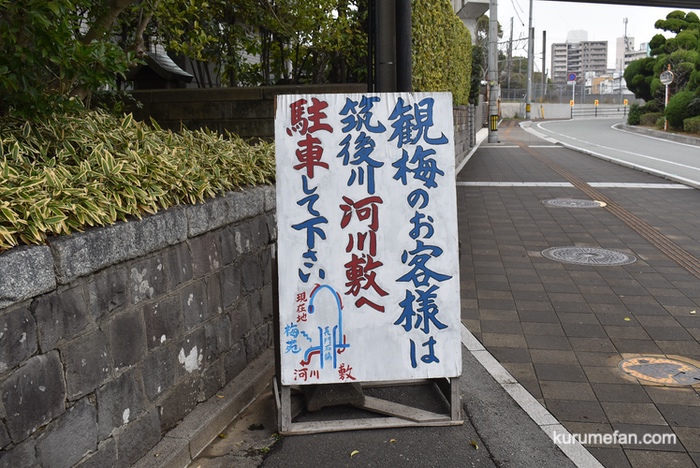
[(681, 53)]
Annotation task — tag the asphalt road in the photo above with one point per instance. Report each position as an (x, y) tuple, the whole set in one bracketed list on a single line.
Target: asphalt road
[(603, 138)]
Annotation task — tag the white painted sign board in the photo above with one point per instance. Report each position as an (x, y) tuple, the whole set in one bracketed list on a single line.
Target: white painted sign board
[(368, 259)]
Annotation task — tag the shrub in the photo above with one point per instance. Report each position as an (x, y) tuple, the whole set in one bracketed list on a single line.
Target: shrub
[(635, 115), (64, 172), (678, 109), (692, 125), (651, 118)]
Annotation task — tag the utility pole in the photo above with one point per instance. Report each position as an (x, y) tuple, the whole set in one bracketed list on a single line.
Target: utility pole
[(494, 89), (530, 63), (544, 64), (510, 55)]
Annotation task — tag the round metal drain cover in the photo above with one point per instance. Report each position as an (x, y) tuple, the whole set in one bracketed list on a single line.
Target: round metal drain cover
[(573, 203), (661, 370), (588, 256)]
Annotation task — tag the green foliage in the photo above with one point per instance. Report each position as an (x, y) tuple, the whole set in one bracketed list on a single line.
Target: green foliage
[(692, 125), (442, 56), (635, 115), (678, 110), (44, 64), (650, 119), (681, 53), (62, 173)]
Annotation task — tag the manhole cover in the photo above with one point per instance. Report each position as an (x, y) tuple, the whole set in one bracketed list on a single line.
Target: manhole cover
[(661, 370), (588, 256), (573, 203)]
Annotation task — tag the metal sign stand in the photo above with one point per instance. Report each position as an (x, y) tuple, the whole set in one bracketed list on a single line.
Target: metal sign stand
[(395, 414)]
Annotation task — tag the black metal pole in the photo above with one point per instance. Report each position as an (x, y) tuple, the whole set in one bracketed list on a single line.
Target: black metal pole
[(371, 44), (386, 46), (404, 54)]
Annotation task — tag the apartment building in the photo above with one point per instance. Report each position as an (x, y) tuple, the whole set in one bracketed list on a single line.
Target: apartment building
[(578, 55)]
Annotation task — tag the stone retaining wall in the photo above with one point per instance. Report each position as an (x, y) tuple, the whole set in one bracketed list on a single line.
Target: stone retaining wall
[(110, 337)]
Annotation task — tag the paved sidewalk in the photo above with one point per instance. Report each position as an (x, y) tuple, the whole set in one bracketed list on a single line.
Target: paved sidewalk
[(561, 329)]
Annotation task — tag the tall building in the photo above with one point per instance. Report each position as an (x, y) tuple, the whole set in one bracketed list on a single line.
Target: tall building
[(625, 53), (578, 55)]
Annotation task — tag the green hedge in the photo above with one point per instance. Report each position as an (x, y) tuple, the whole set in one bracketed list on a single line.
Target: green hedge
[(651, 118), (66, 172), (692, 125), (441, 50)]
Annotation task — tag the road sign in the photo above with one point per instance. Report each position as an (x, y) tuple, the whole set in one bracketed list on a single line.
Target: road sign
[(571, 77), (625, 102), (595, 103), (571, 103)]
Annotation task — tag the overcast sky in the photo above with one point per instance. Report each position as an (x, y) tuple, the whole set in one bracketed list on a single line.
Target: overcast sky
[(603, 23)]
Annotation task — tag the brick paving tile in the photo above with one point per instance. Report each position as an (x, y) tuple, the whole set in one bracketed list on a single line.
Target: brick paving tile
[(584, 330), (687, 396), (515, 355), (677, 415), (549, 329), (553, 356), (503, 340), (592, 358), (689, 437), (592, 344), (633, 413), (572, 391), (547, 342), (494, 326), (633, 332), (610, 457), (606, 375), (636, 346), (560, 372), (584, 411), (620, 393), (689, 349), (652, 459)]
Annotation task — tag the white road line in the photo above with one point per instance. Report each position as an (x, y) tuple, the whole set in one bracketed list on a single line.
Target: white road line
[(513, 184)]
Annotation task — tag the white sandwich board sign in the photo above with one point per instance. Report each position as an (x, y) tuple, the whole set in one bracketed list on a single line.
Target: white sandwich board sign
[(368, 262)]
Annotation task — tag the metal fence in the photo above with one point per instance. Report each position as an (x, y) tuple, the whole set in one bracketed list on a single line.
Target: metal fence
[(607, 111)]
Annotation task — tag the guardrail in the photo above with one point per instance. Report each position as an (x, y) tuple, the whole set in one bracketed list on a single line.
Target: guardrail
[(588, 111)]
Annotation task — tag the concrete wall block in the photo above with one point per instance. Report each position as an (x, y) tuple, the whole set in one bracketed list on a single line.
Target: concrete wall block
[(158, 370), (127, 338), (164, 321), (205, 254), (137, 438), (190, 354), (180, 401), (194, 304), (69, 438), (234, 240), (177, 261), (87, 364), (33, 395), (19, 456), (231, 285), (104, 457), (147, 279), (252, 273), (214, 296), (270, 197), (213, 379), (235, 361), (218, 338), (90, 251), (257, 341), (4, 436), (60, 316), (25, 272), (119, 402), (240, 320), (18, 340), (221, 211), (107, 291)]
